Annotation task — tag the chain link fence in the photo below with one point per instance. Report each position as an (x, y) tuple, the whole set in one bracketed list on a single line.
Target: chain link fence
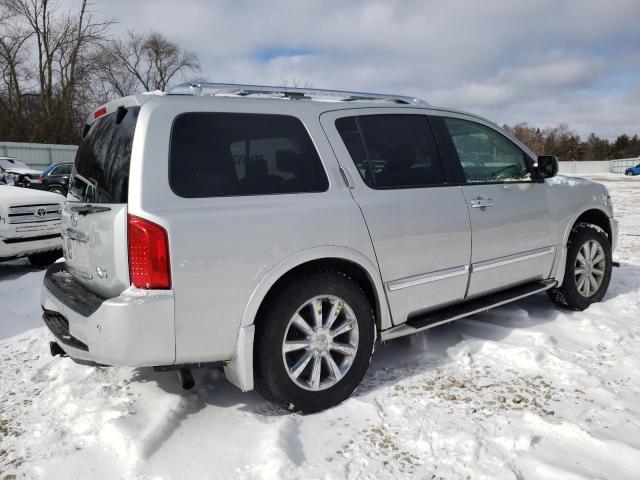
[(619, 166)]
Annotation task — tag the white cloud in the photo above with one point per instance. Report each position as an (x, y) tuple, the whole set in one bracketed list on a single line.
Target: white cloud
[(544, 62)]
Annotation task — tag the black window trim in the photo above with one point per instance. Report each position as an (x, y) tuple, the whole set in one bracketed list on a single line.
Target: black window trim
[(356, 117), (200, 197), (446, 139)]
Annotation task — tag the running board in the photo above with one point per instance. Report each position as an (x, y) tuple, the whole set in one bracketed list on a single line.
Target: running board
[(464, 309)]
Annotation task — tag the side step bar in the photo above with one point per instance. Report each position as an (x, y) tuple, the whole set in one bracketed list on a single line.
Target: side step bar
[(464, 309)]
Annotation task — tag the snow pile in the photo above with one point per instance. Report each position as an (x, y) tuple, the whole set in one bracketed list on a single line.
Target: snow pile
[(525, 390)]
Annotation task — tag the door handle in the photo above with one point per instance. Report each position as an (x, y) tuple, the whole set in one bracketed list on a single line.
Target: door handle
[(348, 179), (481, 202)]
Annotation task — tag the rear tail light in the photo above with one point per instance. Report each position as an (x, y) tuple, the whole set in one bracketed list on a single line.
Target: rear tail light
[(41, 179), (149, 265)]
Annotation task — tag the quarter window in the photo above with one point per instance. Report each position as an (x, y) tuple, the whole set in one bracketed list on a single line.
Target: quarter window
[(226, 154), (485, 155), (392, 151), (61, 170)]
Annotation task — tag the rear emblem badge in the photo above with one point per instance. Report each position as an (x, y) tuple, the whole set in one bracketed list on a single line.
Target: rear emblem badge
[(40, 212), (102, 272), (74, 220)]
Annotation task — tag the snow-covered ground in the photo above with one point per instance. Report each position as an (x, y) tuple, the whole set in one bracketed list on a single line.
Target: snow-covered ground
[(523, 391)]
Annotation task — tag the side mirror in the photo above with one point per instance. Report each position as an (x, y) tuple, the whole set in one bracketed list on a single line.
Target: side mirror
[(547, 166)]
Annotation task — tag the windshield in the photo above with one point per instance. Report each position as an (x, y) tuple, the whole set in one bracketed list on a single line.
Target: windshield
[(11, 163), (101, 171)]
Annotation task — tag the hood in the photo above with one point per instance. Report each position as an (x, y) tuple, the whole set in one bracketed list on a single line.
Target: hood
[(572, 181), (23, 171), (13, 196)]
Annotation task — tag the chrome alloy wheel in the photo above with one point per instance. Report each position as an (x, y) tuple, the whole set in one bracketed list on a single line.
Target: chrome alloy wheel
[(320, 343), (589, 268)]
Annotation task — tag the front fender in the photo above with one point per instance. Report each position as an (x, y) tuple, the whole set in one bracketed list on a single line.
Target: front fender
[(561, 255)]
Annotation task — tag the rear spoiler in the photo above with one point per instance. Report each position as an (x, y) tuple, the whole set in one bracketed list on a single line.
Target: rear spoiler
[(113, 106)]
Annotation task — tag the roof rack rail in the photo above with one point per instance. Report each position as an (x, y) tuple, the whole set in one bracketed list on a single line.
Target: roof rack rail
[(226, 89)]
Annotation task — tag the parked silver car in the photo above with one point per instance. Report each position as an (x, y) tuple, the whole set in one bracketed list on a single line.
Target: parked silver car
[(282, 232)]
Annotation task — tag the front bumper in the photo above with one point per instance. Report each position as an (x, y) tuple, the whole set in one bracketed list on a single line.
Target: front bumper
[(134, 329), (614, 233), (19, 240)]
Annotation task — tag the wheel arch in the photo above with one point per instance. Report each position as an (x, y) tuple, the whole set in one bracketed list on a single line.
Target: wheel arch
[(342, 259), (594, 216), (239, 370)]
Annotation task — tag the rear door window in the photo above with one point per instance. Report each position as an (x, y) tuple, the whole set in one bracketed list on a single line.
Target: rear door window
[(228, 154), (392, 150), (102, 162)]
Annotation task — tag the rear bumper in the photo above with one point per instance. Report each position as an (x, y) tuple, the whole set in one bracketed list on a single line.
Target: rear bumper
[(134, 329)]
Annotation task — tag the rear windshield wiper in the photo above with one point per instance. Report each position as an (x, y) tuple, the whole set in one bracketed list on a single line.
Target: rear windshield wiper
[(87, 209)]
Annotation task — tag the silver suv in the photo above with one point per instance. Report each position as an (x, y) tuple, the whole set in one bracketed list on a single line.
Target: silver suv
[(282, 232)]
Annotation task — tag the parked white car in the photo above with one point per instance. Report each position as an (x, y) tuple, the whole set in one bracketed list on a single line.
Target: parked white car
[(282, 236), (30, 225)]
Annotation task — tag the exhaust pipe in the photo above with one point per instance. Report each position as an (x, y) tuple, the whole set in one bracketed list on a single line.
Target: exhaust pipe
[(186, 378), (56, 350)]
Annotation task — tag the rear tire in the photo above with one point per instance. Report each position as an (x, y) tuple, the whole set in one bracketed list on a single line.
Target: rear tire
[(586, 275), (58, 190), (335, 362), (44, 259)]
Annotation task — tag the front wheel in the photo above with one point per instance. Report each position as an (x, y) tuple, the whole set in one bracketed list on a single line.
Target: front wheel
[(588, 269), (314, 342)]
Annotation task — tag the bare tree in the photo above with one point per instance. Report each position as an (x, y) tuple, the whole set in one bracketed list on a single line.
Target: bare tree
[(295, 82), (13, 69), (62, 43), (144, 62)]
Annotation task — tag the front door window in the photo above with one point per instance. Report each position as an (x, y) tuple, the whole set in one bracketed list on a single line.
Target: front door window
[(485, 155)]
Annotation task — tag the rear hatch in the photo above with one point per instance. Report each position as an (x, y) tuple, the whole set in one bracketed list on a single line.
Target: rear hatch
[(94, 219)]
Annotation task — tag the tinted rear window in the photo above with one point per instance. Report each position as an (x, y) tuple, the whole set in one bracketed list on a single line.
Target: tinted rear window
[(101, 171), (226, 154), (392, 150)]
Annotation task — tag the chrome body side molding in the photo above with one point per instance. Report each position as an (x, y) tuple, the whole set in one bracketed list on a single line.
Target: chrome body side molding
[(427, 277), (478, 267)]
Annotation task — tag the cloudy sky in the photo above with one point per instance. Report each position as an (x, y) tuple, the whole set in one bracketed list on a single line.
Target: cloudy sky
[(544, 62)]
